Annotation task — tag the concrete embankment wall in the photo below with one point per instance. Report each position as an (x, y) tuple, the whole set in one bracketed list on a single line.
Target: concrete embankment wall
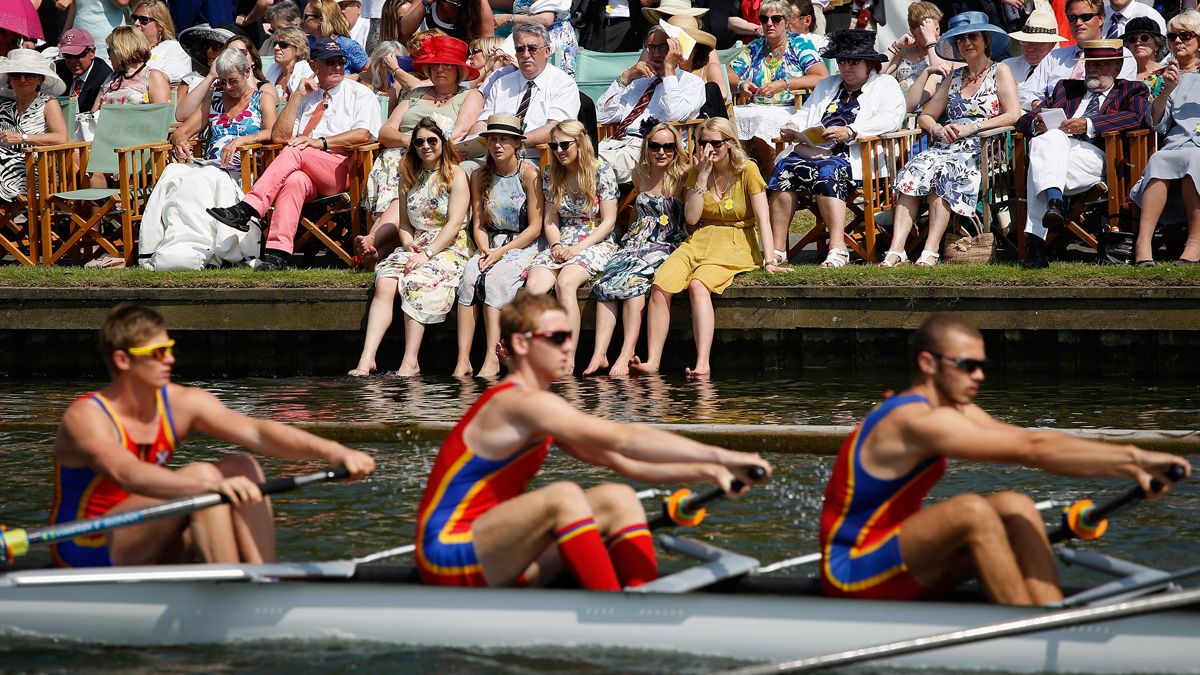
[(236, 332)]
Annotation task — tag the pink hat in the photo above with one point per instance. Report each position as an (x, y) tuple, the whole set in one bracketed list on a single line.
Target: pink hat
[(75, 42)]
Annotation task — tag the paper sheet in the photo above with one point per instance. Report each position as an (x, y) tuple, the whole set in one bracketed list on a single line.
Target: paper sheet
[(686, 42), (1053, 117)]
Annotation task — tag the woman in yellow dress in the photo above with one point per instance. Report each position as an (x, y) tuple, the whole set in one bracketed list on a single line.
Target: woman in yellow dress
[(724, 199)]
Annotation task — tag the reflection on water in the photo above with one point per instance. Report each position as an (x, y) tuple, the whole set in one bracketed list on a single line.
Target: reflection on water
[(818, 397)]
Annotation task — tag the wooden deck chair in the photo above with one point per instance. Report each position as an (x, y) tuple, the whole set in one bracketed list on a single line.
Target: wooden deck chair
[(130, 145), (596, 71), (19, 229), (997, 207)]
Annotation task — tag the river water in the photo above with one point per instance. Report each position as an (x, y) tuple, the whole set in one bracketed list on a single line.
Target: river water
[(775, 522)]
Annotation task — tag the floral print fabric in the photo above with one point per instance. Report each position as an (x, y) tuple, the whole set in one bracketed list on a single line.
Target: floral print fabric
[(223, 129), (507, 216), (756, 64), (654, 234), (576, 221), (564, 43)]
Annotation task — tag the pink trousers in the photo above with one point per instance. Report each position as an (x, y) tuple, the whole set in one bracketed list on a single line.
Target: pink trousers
[(294, 177)]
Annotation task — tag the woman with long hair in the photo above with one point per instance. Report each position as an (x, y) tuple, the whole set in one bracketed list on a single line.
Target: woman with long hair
[(655, 233), (581, 211), (153, 18), (506, 198), (323, 19), (427, 267), (725, 198), (291, 61)]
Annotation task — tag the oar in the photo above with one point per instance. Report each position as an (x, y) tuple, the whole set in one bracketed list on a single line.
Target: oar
[(1064, 619), (16, 542), (1086, 521), (687, 510)]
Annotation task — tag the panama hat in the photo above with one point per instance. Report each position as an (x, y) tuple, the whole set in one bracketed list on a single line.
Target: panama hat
[(444, 49), (30, 61), (503, 125), (1103, 50), (691, 25), (1041, 26), (971, 22), (672, 8)]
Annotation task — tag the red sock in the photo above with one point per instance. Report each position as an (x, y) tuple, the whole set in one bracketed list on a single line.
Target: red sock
[(632, 552), (583, 551)]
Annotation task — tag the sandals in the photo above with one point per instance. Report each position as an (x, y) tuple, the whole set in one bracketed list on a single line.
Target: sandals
[(1143, 263), (928, 259), (900, 258), (837, 258)]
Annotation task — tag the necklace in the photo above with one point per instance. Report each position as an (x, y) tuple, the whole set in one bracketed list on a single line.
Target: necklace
[(969, 79), (777, 52), (438, 99), (723, 199)]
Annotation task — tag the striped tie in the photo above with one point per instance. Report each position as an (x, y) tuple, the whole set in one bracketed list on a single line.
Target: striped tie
[(638, 109), (524, 106), (1114, 28), (78, 87), (1093, 106)]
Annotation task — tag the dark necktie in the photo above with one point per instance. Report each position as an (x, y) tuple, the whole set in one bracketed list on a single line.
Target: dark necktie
[(1093, 107), (77, 87), (1114, 28), (524, 106), (642, 104)]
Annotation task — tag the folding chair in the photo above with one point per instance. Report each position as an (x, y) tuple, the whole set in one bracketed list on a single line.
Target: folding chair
[(130, 144), (20, 237)]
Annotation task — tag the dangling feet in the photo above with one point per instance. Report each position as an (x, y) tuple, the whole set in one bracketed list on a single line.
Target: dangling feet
[(636, 367), (599, 362), (463, 369), (620, 368), (362, 370), (408, 370)]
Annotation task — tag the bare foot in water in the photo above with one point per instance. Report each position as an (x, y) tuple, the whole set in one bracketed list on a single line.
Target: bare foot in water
[(360, 371), (621, 367), (697, 372), (462, 370), (407, 370), (490, 369), (598, 363), (636, 367)]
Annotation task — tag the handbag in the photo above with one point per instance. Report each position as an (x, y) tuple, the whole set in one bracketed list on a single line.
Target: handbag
[(971, 249), (1114, 247)]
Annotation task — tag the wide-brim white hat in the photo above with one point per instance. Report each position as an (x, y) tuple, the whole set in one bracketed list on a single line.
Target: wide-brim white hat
[(671, 8), (1041, 26), (30, 61)]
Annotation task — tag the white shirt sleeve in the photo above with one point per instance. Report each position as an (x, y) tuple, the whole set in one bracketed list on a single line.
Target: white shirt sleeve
[(682, 96)]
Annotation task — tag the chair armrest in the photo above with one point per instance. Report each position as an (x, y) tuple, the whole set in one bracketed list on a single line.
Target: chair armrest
[(998, 131), (903, 133), (143, 146), (69, 145)]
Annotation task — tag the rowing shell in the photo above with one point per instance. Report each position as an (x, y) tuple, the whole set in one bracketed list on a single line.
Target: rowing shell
[(751, 618)]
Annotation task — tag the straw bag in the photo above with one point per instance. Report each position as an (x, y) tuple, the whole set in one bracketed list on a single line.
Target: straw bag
[(959, 250)]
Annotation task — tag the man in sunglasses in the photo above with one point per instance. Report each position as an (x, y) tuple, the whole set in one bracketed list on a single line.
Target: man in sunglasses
[(80, 69), (876, 540), (653, 88), (326, 117), (1085, 17), (113, 448), (477, 525)]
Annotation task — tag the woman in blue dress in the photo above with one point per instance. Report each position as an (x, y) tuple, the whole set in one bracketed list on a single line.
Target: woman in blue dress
[(656, 231)]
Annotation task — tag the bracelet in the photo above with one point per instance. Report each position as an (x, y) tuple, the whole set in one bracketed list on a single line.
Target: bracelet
[(324, 143), (557, 243)]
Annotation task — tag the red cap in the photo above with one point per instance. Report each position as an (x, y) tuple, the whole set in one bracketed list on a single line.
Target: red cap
[(75, 42)]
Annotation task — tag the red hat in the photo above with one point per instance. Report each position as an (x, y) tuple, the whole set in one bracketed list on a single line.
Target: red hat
[(443, 49), (75, 42)]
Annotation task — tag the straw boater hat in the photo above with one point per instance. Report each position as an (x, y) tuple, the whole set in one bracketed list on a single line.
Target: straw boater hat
[(30, 61), (193, 40), (691, 26), (1103, 50), (672, 8), (971, 22), (853, 43), (503, 125), (1041, 26), (444, 49)]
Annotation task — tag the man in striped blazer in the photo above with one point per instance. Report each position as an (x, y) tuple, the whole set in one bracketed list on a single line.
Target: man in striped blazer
[(1069, 159)]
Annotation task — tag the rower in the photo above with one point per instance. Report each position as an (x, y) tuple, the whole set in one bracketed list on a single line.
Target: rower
[(113, 447), (876, 540), (478, 526)]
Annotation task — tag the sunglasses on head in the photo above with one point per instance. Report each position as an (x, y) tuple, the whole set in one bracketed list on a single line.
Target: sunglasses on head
[(964, 364), (660, 147), (527, 49), (705, 142), (764, 19), (139, 19), (560, 146), (1085, 17), (1183, 36), (432, 141), (556, 337), (159, 352)]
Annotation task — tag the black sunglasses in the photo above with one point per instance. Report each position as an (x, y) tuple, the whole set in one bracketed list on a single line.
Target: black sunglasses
[(76, 57), (1185, 36), (561, 145), (556, 337), (1085, 17), (770, 18), (964, 364), (968, 37), (314, 17), (531, 49), (665, 147), (420, 142), (139, 19), (1138, 38), (334, 61), (848, 62), (716, 144)]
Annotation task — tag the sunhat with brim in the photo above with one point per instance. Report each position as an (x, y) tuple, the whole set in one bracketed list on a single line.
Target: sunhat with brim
[(971, 22), (447, 50), (503, 125), (193, 40), (1041, 26), (1103, 50), (691, 26), (853, 43), (29, 61), (672, 8)]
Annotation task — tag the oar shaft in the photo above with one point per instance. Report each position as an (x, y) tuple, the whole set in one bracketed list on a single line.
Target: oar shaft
[(1116, 504)]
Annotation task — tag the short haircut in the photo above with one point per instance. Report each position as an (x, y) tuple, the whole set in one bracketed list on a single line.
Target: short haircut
[(781, 6), (1187, 20), (918, 12), (230, 62), (522, 314), (803, 8), (127, 325), (535, 29), (282, 11), (931, 335), (1096, 5), (294, 37)]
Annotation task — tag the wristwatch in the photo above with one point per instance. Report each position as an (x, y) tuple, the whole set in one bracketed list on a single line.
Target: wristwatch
[(428, 252), (24, 138)]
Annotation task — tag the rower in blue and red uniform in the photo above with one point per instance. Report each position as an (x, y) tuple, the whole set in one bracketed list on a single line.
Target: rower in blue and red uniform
[(876, 540), (477, 525)]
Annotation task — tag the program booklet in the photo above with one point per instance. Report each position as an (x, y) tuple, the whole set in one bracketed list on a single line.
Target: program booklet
[(1053, 117)]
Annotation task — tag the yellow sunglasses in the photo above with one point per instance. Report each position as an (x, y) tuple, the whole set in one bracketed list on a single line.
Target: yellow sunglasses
[(158, 352)]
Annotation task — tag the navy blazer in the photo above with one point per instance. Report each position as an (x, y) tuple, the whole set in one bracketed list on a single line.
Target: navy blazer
[(91, 86), (1123, 109)]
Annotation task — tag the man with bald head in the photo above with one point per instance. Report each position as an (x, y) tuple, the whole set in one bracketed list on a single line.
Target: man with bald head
[(876, 540)]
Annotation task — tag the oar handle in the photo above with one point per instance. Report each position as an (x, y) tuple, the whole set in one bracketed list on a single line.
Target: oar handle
[(274, 485), (698, 501), (1094, 516)]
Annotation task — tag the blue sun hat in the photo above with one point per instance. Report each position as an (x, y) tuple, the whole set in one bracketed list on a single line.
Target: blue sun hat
[(971, 22)]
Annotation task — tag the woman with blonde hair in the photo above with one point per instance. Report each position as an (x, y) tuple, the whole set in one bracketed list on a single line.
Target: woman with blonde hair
[(291, 61), (485, 55), (132, 80), (581, 211), (724, 200), (912, 59), (153, 18), (656, 231), (427, 267), (323, 19)]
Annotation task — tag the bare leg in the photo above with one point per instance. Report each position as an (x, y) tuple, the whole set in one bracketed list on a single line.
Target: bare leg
[(606, 323), (1027, 535), (939, 219), (466, 336), (833, 212), (631, 326), (491, 328), (1154, 198), (254, 523), (658, 322), (414, 332), (702, 327), (541, 280), (1191, 202), (566, 289), (905, 215), (379, 318), (765, 152), (783, 208)]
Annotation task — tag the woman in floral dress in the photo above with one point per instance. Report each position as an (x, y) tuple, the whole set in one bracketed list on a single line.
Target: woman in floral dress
[(581, 210), (980, 96), (656, 231), (555, 15), (427, 267)]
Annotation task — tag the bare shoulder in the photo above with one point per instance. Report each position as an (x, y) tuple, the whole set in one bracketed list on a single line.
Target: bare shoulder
[(84, 430), (187, 403)]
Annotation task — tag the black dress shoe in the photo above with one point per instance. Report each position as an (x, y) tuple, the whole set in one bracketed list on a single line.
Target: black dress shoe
[(1035, 253), (232, 216), (1056, 215), (271, 262)]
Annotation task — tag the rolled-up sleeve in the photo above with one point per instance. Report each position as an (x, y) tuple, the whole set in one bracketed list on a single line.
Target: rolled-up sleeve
[(682, 97)]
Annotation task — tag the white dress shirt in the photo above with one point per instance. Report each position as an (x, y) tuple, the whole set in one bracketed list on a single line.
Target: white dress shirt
[(1058, 65), (360, 30), (555, 97), (170, 58), (678, 98), (1020, 68), (1132, 11), (352, 106)]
